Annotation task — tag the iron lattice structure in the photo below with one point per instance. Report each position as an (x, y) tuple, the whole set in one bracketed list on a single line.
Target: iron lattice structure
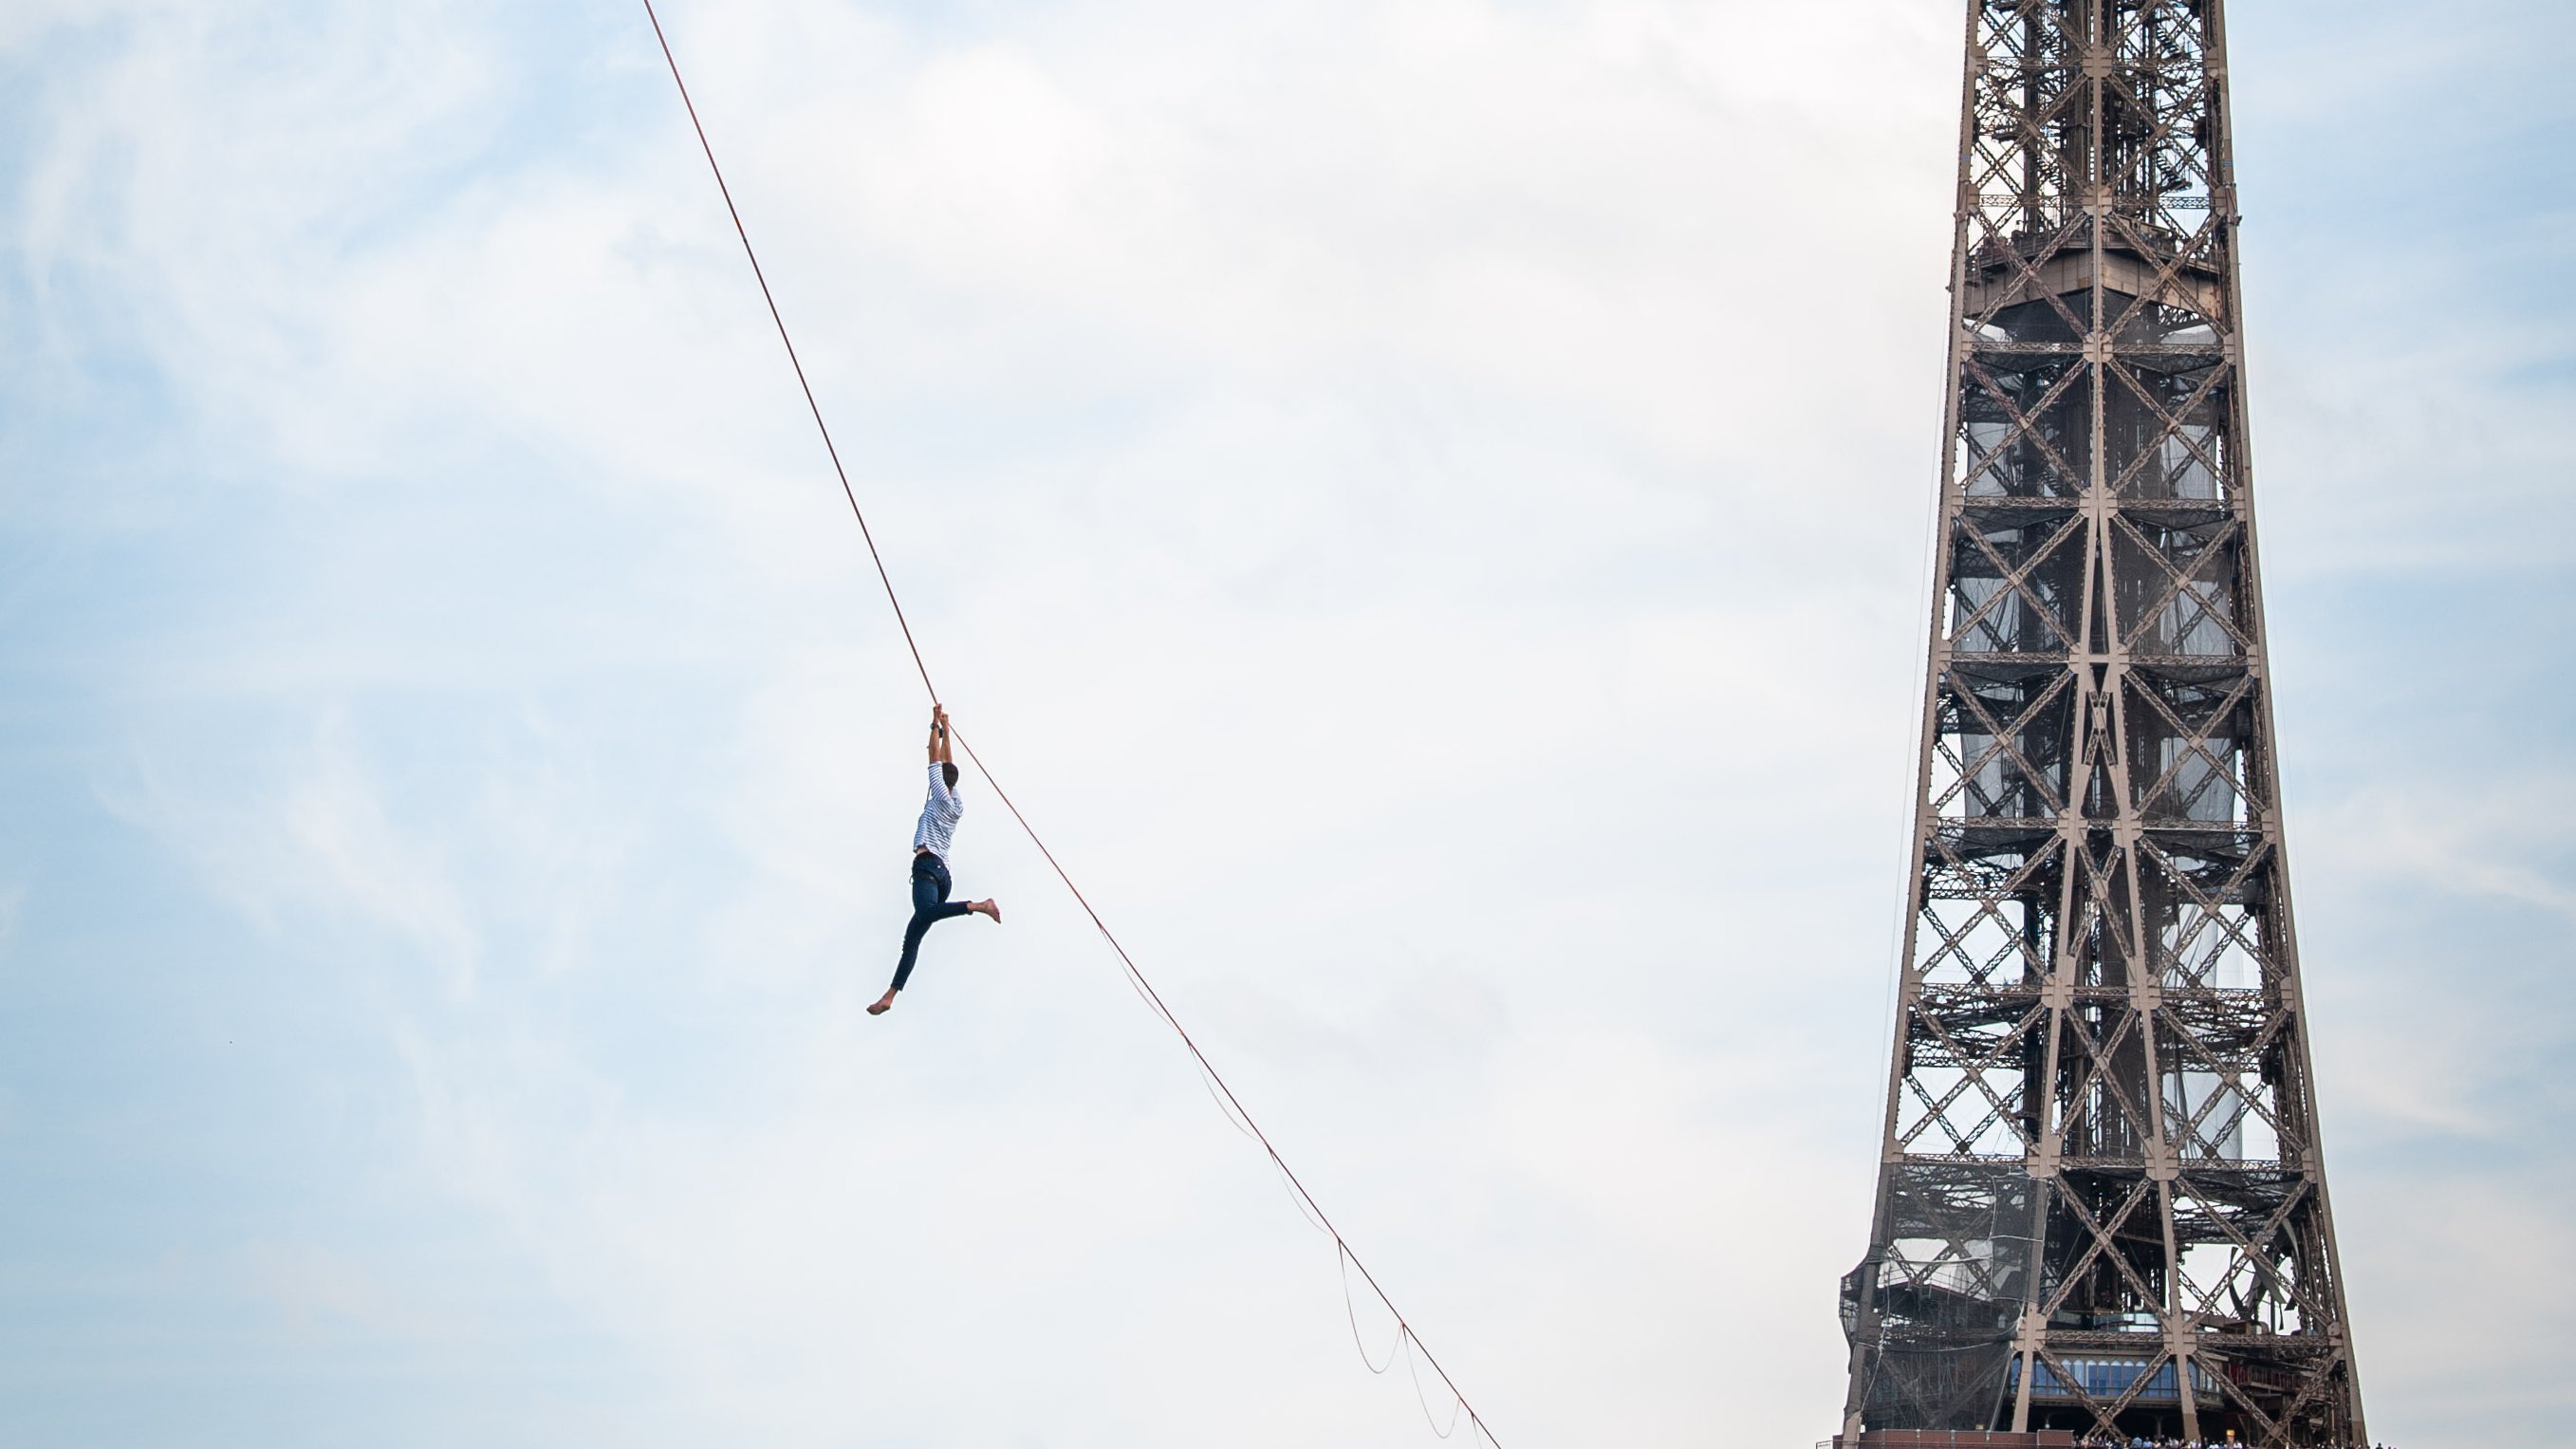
[(2101, 1202)]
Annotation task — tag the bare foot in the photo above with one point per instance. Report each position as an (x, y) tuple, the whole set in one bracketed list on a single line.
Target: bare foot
[(883, 1005), (986, 907)]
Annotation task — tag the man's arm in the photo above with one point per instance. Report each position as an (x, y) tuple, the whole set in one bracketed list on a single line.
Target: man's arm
[(939, 745)]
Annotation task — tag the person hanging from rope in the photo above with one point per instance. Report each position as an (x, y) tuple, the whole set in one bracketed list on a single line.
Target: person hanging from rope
[(930, 839)]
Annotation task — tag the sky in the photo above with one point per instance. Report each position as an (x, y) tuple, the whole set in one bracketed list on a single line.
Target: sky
[(1425, 504)]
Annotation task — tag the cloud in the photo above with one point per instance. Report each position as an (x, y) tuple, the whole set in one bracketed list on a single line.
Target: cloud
[(320, 1290), (314, 838), (2471, 838)]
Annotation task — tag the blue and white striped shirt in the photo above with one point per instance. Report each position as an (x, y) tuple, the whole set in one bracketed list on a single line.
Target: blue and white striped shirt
[(938, 816)]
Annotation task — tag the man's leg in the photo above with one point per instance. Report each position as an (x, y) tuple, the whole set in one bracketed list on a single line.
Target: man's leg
[(930, 887), (929, 907), (945, 910), (982, 908)]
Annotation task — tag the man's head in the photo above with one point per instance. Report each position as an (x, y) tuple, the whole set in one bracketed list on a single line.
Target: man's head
[(948, 771)]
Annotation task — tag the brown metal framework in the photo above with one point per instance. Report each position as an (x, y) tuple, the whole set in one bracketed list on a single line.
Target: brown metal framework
[(2101, 1199)]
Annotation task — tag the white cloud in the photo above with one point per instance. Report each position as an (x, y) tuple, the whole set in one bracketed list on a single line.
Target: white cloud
[(314, 839)]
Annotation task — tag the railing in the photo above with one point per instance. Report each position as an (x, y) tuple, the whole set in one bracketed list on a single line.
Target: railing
[(2055, 201)]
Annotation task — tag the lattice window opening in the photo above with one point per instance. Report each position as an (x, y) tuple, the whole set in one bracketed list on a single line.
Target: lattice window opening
[(1982, 942), (2165, 428), (2016, 154), (1987, 613), (2226, 1033), (1959, 1250), (2161, 215), (2006, 696), (1972, 1268), (2190, 749), (2180, 602), (1991, 782), (2100, 935), (2013, 541), (2182, 261), (2004, 741), (2118, 1288), (2172, 442), (2232, 1107), (1985, 469), (2167, 328), (2175, 30), (2010, 266), (2160, 73), (2000, 748), (1979, 1215), (2179, 244), (1945, 782), (2020, 107), (2251, 1207), (2210, 948), (2187, 461), (1938, 1314), (2016, 214), (2021, 91), (2028, 42), (2035, 321), (2221, 1116), (2018, 47), (1992, 338), (2208, 869), (1975, 1029), (2031, 170), (2223, 1286), (2187, 224), (2025, 26), (2165, 335), (2097, 1119), (1962, 1112), (2049, 396), (2201, 781), (1998, 458), (2007, 596), (1946, 1383), (2155, 555), (2157, 127), (2194, 617), (2025, 426), (1958, 869), (2157, 560)]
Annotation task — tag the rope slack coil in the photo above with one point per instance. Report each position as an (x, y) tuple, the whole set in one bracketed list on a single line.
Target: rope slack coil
[(1406, 1339)]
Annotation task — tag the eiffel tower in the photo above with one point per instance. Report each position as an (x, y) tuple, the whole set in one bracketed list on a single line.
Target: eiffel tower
[(2101, 1200)]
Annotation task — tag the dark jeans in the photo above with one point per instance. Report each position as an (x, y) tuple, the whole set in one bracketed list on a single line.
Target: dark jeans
[(930, 905)]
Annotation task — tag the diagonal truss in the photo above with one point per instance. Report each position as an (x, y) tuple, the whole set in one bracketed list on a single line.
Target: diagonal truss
[(2101, 1202)]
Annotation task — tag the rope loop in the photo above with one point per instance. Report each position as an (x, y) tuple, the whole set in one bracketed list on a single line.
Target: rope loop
[(1341, 1263)]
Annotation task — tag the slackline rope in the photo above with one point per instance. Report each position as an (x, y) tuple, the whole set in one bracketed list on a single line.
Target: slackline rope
[(1406, 1338)]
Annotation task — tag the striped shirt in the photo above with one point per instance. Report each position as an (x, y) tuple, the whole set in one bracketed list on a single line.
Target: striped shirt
[(938, 816)]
